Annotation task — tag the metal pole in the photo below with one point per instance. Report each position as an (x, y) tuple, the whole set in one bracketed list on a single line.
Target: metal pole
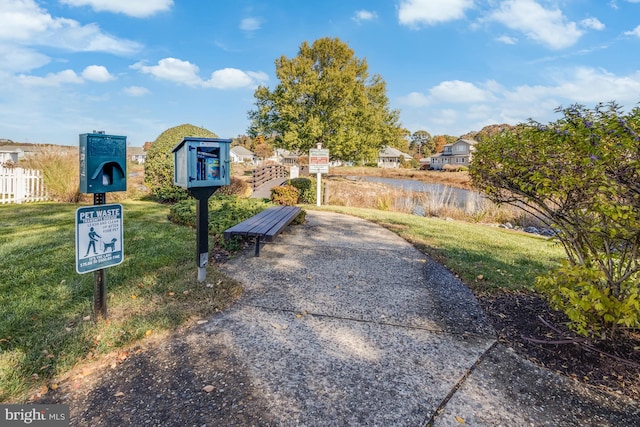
[(318, 184), (99, 277), (318, 188), (202, 229)]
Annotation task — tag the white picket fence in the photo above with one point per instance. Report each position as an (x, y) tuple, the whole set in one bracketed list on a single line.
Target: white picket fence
[(18, 185)]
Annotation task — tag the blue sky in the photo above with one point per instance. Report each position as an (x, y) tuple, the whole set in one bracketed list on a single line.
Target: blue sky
[(139, 67)]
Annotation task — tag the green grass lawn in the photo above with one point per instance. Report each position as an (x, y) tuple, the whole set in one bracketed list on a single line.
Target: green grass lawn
[(44, 329), (45, 326)]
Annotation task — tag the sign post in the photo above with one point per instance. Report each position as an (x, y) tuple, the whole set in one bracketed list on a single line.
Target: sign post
[(318, 164), (99, 244)]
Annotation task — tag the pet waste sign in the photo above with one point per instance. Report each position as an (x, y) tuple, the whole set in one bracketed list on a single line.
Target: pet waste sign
[(98, 237)]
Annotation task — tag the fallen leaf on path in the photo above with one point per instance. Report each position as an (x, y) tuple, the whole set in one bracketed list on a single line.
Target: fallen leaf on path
[(208, 388), (119, 394), (460, 420)]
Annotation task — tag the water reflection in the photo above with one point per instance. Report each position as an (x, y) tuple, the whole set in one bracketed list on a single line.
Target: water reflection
[(438, 194)]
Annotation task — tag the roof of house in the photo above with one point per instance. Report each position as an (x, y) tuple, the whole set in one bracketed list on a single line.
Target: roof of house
[(136, 151), (17, 147), (393, 153), (241, 151)]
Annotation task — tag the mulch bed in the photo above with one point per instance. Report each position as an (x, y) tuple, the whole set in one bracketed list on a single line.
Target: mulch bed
[(526, 323)]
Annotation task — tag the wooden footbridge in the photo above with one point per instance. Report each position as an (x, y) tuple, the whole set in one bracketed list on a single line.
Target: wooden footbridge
[(266, 177)]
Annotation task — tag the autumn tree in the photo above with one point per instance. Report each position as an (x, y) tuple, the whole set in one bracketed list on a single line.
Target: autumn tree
[(263, 150), (579, 175), (439, 141), (327, 96)]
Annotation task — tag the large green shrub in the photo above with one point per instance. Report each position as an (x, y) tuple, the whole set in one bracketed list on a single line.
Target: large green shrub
[(306, 187), (158, 167), (581, 176)]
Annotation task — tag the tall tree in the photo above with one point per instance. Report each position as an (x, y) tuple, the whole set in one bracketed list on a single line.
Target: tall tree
[(423, 142), (326, 95)]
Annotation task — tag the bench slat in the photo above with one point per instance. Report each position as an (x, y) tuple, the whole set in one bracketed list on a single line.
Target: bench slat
[(268, 223), (251, 223)]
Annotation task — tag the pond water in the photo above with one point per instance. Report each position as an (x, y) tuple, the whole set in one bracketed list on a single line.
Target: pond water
[(469, 201)]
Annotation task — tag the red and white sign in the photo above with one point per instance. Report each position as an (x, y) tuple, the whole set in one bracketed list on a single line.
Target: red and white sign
[(318, 161)]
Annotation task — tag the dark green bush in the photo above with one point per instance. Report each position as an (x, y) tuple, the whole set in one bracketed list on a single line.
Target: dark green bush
[(224, 212), (287, 195), (307, 188), (158, 167)]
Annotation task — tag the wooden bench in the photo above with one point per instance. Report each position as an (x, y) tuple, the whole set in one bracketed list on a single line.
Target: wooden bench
[(265, 225)]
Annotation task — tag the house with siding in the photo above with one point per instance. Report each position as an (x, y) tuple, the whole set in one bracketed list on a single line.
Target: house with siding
[(137, 154), (457, 154), (392, 158), (240, 154)]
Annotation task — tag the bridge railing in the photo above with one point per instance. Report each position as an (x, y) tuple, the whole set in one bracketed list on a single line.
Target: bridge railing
[(266, 173)]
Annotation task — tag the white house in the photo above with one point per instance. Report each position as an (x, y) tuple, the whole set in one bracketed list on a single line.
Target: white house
[(459, 153), (240, 154), (391, 158), (137, 154)]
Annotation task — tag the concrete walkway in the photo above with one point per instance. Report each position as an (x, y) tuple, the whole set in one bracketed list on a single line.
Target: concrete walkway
[(342, 324), (345, 323)]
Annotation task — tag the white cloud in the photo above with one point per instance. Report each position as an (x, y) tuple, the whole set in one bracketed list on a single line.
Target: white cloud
[(97, 73), (21, 20), (448, 92), (251, 24), (24, 25), (592, 23), (635, 32), (232, 78), (172, 69), (364, 15), (456, 91), (414, 13), (546, 26), (136, 91), (18, 59), (507, 39), (135, 8), (51, 79), (589, 85), (184, 72), (414, 99), (583, 85)]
